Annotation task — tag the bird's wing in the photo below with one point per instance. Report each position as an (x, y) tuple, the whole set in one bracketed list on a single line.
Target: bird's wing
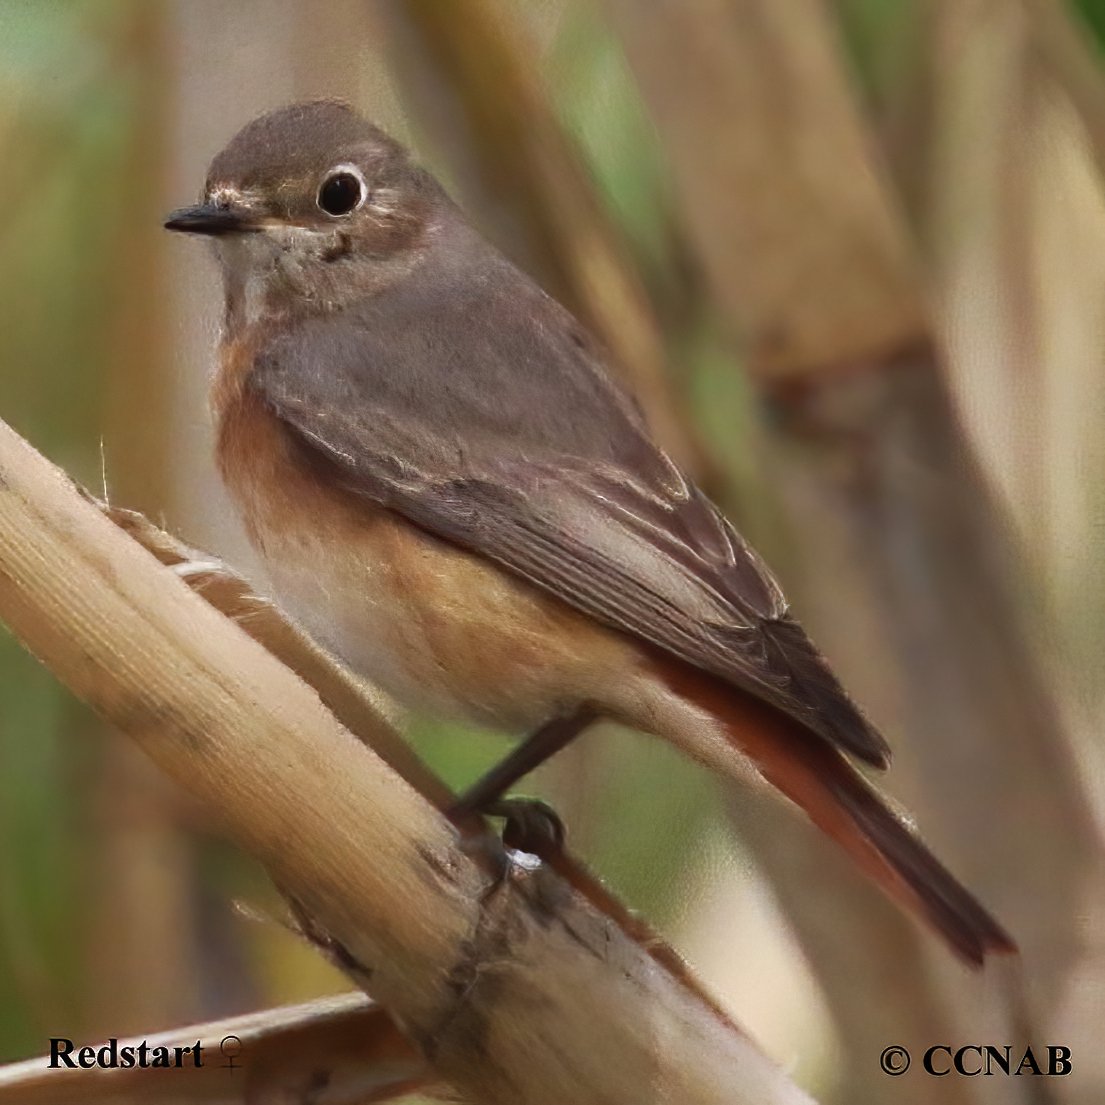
[(484, 416)]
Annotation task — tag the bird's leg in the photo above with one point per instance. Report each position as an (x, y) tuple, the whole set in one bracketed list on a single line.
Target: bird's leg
[(531, 826)]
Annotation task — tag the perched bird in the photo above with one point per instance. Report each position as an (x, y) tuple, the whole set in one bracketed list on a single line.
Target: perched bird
[(453, 494)]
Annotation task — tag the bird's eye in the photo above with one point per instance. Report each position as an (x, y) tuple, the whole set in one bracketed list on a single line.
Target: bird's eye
[(341, 193)]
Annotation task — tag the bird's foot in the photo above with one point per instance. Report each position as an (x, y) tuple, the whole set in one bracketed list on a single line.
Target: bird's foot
[(529, 825)]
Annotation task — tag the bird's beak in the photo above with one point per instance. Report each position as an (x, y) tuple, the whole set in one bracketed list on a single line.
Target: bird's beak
[(212, 218)]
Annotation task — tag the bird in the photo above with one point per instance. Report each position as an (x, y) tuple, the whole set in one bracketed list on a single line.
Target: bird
[(453, 493)]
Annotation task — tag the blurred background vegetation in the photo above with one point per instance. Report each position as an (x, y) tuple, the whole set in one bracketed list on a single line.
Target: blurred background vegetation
[(772, 213)]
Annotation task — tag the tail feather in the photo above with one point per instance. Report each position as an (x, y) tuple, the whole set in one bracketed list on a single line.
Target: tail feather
[(914, 876), (817, 778)]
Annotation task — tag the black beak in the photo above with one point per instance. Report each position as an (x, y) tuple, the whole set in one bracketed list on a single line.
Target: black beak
[(209, 218)]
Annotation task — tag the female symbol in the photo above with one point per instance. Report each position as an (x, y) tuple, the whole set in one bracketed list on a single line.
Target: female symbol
[(231, 1047)]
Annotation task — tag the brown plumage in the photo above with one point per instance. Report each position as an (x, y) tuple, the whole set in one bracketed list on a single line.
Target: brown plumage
[(453, 493)]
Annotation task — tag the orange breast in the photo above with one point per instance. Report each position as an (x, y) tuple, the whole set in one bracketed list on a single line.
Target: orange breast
[(434, 626)]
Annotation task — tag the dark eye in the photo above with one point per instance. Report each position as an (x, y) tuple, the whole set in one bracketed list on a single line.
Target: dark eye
[(340, 193)]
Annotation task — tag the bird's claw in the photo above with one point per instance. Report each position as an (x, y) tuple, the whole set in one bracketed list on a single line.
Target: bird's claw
[(529, 825)]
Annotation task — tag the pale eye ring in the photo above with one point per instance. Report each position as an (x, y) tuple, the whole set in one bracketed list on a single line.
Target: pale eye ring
[(342, 191)]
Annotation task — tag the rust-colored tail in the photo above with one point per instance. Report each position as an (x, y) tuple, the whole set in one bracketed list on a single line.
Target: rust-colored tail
[(816, 777)]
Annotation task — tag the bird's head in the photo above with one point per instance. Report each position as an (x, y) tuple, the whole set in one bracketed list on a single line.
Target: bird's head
[(312, 205)]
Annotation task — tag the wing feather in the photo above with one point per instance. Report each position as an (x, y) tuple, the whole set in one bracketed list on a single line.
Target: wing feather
[(483, 416)]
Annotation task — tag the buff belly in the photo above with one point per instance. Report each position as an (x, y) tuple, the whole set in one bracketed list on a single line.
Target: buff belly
[(439, 630)]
